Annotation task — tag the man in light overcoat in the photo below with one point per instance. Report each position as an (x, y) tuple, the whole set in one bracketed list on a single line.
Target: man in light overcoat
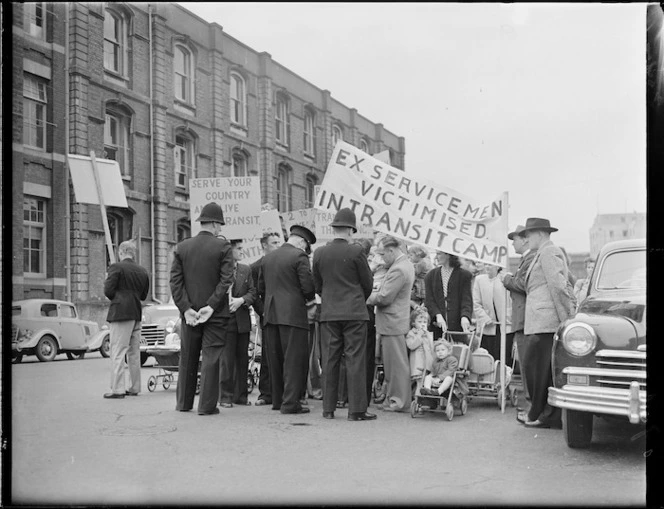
[(392, 301), (549, 302)]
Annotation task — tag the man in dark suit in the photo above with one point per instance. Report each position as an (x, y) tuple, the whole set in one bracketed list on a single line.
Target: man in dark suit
[(235, 356), (516, 284), (344, 281), (448, 295), (270, 242), (201, 274), (126, 286), (287, 284)]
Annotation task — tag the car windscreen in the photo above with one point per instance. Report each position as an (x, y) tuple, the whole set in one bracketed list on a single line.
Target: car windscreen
[(623, 269)]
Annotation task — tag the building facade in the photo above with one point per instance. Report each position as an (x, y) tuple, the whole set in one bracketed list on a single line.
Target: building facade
[(610, 227), (170, 97)]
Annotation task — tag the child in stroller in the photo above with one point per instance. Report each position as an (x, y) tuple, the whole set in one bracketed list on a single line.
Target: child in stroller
[(444, 385), (420, 345)]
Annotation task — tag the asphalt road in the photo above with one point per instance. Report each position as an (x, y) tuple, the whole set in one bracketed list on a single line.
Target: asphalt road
[(71, 446)]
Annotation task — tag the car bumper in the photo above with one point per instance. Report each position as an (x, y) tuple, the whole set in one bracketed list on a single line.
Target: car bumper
[(630, 403)]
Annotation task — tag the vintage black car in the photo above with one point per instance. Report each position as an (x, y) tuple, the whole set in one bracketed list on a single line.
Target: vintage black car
[(599, 355)]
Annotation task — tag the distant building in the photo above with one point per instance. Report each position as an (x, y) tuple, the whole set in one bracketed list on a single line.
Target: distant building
[(169, 96), (610, 227), (577, 266)]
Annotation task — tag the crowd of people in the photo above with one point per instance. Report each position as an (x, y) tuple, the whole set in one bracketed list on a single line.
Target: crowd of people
[(326, 317)]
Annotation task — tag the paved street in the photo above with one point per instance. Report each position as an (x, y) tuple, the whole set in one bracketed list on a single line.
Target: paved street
[(70, 446)]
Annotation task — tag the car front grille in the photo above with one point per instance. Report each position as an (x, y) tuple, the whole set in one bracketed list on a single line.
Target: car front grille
[(618, 368), (152, 334)]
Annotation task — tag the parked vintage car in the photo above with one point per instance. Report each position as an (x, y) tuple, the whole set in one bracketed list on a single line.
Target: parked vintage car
[(157, 321), (48, 327), (599, 356)]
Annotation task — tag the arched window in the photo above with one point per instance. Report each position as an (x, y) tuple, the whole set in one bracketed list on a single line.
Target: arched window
[(117, 141), (364, 146), (238, 99), (282, 121), (240, 164), (283, 188), (309, 132), (115, 42), (310, 191), (337, 135), (184, 159), (183, 68)]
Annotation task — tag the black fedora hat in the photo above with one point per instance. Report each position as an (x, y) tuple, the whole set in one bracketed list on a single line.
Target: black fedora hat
[(536, 223), (519, 229), (345, 218), (303, 232), (211, 213)]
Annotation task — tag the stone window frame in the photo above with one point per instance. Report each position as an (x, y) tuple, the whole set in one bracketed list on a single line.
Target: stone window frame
[(283, 187), (36, 220), (189, 98), (190, 145), (282, 116), (238, 105), (123, 17), (309, 131), (123, 116), (35, 98)]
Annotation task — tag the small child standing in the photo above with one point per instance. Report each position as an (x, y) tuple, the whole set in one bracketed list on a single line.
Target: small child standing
[(442, 370), (420, 343)]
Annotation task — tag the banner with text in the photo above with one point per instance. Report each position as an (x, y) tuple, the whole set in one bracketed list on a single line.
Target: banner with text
[(414, 209), (239, 198), (251, 247)]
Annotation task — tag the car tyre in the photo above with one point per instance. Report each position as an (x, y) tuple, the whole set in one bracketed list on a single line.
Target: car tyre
[(577, 428), (75, 355), (105, 348), (47, 349), (17, 358)]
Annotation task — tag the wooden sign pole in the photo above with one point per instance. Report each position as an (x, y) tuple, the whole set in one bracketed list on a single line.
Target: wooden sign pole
[(104, 218)]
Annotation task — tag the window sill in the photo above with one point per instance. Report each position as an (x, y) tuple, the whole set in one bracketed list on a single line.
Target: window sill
[(116, 78), (281, 146), (34, 275), (239, 130), (184, 106), (181, 190), (310, 157), (126, 178)]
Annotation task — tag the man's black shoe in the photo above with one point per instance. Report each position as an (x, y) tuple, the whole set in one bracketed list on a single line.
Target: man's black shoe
[(361, 416), (328, 415), (113, 395)]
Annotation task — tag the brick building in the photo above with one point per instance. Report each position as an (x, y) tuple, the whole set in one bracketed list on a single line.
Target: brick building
[(169, 96)]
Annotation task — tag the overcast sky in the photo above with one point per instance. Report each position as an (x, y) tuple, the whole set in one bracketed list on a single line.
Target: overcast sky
[(545, 101)]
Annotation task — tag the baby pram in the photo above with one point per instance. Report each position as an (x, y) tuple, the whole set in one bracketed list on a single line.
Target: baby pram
[(168, 360), (484, 378), (456, 397)]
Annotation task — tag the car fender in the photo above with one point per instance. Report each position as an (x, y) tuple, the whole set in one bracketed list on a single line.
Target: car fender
[(32, 341), (97, 339)]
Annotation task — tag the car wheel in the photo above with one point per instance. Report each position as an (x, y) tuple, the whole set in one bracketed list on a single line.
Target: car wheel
[(75, 355), (144, 358), (47, 349), (577, 428), (105, 349), (17, 358)]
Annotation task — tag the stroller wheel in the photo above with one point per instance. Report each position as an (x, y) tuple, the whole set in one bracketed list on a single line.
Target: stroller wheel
[(463, 406), (152, 383), (250, 383), (514, 397), (167, 381), (414, 408), (449, 411)]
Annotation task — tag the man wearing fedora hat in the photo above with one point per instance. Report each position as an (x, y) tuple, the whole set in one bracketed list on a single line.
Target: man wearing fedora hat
[(343, 280), (287, 286), (549, 302), (515, 283), (201, 274)]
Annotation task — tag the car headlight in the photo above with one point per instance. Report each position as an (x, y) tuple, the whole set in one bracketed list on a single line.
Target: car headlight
[(169, 326), (579, 339), (143, 318)]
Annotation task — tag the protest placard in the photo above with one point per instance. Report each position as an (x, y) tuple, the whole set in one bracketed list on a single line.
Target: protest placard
[(270, 223), (303, 217), (323, 230), (240, 201), (414, 209)]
